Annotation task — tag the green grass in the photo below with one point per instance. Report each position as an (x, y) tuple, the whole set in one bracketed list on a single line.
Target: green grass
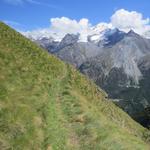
[(48, 105)]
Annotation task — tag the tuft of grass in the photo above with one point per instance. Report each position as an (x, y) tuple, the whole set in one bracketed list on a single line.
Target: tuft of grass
[(48, 105)]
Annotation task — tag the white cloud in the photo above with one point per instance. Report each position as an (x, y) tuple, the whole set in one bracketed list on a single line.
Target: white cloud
[(61, 26), (65, 25), (127, 20), (121, 19)]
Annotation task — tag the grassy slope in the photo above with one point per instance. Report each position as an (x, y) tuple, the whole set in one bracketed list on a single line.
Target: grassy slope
[(46, 104)]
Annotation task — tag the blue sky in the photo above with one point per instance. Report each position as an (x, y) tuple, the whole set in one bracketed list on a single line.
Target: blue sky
[(32, 14)]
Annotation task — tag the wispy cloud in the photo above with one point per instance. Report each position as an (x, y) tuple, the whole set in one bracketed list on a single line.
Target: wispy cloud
[(35, 2), (16, 25), (14, 2), (42, 4), (12, 23)]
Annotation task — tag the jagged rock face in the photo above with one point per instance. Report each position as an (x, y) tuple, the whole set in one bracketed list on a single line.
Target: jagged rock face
[(69, 39), (124, 54), (78, 53), (119, 63), (70, 49), (111, 37)]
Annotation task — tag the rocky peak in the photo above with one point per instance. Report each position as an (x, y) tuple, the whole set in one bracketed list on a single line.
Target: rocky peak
[(132, 33), (68, 40), (111, 37)]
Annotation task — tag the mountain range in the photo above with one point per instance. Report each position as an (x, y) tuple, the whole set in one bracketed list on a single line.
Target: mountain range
[(116, 61)]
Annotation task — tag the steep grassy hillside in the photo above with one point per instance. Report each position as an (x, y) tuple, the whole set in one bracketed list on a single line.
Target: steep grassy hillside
[(48, 105)]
